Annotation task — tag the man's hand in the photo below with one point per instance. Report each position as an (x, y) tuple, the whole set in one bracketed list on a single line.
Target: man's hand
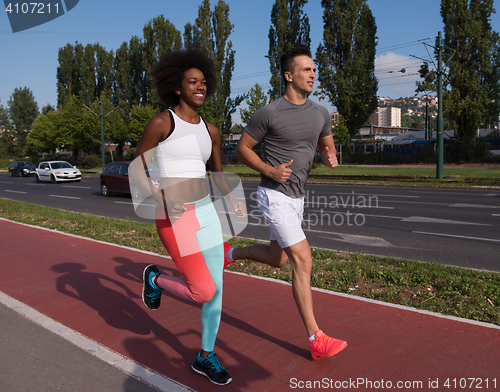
[(329, 159), (281, 173)]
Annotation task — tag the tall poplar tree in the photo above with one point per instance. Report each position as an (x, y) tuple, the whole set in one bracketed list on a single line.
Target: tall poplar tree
[(289, 28), (472, 83), (346, 60), (160, 37), (211, 32)]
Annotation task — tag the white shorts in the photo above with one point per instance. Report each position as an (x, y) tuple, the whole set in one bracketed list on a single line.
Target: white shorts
[(283, 214)]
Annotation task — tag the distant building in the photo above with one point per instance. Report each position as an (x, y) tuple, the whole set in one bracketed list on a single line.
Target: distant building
[(335, 117), (386, 117)]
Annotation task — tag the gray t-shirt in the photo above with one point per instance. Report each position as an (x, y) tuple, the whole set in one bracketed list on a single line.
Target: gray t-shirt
[(289, 131)]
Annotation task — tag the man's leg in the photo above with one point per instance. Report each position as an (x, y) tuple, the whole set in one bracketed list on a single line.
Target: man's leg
[(271, 254), (301, 259)]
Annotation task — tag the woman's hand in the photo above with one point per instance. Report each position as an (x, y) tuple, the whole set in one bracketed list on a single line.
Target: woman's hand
[(239, 208)]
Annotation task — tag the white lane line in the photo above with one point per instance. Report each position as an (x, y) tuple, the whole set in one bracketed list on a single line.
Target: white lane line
[(97, 350), (66, 197), (6, 182), (425, 219), (418, 219), (131, 203), (35, 184), (464, 205), (76, 186), (495, 214), (457, 236), (374, 194), (8, 190)]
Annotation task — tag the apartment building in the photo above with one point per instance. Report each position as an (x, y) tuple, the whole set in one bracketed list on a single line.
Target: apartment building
[(386, 117)]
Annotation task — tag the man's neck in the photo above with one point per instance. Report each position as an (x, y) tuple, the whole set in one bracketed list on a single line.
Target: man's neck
[(294, 96)]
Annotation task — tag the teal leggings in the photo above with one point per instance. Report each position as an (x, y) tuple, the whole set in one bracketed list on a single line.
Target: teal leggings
[(194, 241)]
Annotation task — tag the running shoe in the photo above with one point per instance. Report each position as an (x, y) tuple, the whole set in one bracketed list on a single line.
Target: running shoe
[(151, 293), (226, 261), (324, 346), (211, 368)]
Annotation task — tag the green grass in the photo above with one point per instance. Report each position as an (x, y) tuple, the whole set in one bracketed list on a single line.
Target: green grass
[(410, 171), (449, 290)]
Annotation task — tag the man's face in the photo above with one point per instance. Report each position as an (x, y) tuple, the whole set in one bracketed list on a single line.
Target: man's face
[(303, 74)]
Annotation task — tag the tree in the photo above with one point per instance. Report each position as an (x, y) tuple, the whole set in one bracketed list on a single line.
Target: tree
[(256, 99), (65, 80), (4, 128), (211, 32), (44, 136), (289, 28), (159, 37), (23, 110), (139, 117), (472, 83), (346, 60)]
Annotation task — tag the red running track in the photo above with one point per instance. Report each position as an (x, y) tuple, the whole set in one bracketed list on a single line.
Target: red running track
[(94, 288)]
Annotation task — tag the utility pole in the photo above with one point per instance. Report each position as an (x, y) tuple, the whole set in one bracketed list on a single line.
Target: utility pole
[(440, 130), (102, 134), (102, 128)]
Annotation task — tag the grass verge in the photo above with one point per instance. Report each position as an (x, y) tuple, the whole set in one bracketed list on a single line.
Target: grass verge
[(448, 290)]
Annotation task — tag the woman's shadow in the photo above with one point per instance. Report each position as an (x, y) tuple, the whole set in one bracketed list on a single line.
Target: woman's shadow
[(117, 309)]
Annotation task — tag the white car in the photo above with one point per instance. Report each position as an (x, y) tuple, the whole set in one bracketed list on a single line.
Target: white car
[(55, 171)]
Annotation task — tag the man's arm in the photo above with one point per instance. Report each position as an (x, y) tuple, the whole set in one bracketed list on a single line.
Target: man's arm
[(328, 152), (246, 155)]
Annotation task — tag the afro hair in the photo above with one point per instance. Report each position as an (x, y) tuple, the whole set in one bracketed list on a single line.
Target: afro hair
[(168, 73)]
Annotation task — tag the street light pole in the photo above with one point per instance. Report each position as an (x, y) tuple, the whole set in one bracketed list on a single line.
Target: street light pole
[(102, 127), (440, 130), (102, 133)]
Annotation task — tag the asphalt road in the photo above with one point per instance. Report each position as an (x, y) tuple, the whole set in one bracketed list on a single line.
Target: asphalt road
[(450, 226)]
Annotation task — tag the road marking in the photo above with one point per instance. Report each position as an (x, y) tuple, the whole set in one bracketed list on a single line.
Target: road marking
[(425, 219), (8, 190), (374, 194), (76, 186), (362, 240), (65, 197), (457, 236), (5, 182), (422, 219), (35, 184), (495, 214), (464, 205)]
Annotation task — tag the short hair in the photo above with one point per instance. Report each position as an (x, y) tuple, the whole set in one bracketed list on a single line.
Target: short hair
[(168, 73), (289, 56)]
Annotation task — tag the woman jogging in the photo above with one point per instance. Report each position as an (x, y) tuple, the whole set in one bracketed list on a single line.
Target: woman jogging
[(186, 220)]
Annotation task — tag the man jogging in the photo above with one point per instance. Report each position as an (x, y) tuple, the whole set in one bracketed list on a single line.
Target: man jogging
[(290, 129)]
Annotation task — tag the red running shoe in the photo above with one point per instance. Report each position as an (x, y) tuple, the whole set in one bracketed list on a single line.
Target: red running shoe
[(226, 261), (324, 346)]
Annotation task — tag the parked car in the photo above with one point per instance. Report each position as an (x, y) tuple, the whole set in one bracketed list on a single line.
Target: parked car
[(21, 168), (114, 178), (55, 171)]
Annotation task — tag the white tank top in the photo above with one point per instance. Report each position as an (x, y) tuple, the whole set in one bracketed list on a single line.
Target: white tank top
[(186, 150)]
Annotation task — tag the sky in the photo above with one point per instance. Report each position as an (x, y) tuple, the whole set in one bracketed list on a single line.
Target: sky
[(29, 58)]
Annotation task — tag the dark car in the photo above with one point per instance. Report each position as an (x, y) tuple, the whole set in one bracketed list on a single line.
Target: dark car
[(21, 168), (114, 178)]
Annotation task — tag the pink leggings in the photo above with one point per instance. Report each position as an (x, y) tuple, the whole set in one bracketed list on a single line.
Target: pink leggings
[(194, 241)]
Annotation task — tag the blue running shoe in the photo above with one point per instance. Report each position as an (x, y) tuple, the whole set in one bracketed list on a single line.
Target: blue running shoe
[(211, 368), (151, 293)]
